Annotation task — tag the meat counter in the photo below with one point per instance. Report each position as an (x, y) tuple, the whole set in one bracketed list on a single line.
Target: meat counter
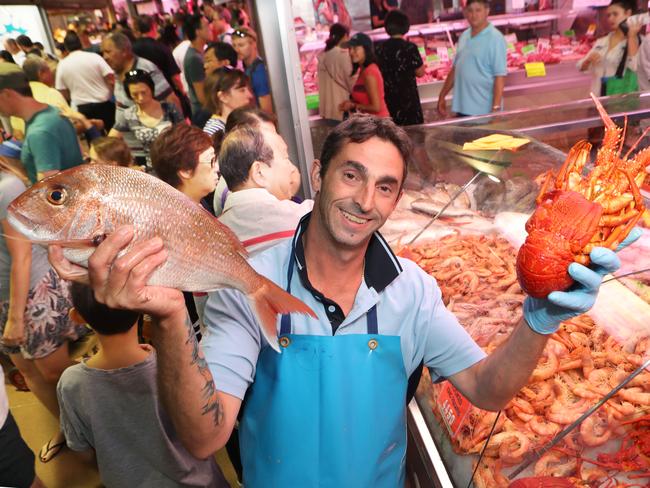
[(553, 42), (471, 251)]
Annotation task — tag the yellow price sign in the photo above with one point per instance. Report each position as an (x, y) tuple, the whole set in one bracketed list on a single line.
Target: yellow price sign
[(535, 69)]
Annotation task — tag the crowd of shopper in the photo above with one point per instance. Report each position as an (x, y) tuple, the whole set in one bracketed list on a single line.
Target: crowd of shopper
[(127, 102), (189, 101)]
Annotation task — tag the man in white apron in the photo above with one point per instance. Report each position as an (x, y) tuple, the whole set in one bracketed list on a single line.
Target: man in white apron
[(329, 409)]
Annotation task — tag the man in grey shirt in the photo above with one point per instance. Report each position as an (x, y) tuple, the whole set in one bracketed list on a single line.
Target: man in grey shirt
[(197, 29)]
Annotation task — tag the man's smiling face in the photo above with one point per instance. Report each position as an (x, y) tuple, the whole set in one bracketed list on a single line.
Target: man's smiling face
[(359, 190)]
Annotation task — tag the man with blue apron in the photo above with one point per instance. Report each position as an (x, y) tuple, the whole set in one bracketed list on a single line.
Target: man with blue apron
[(328, 410)]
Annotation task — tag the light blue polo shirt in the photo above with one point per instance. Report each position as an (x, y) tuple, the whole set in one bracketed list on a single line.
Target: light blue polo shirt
[(410, 306), (478, 60)]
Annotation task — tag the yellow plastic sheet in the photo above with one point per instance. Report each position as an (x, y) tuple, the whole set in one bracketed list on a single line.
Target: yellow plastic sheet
[(495, 142)]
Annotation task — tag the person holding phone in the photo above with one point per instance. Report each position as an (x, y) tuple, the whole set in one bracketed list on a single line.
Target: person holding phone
[(610, 50)]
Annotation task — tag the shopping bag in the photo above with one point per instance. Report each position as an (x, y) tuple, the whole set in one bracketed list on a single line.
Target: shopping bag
[(628, 83)]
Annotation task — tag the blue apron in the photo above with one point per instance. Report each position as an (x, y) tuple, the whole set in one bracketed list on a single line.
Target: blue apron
[(328, 412)]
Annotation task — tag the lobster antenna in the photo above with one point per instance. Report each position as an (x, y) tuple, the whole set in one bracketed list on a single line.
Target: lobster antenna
[(638, 141)]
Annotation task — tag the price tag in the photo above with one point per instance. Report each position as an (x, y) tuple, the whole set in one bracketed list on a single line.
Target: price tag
[(443, 54), (591, 30), (535, 69), (543, 43), (453, 407), (422, 51), (569, 33), (450, 52), (433, 58), (511, 38), (510, 47), (529, 48)]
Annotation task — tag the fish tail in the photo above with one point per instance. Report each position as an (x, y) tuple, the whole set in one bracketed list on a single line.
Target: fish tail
[(267, 302)]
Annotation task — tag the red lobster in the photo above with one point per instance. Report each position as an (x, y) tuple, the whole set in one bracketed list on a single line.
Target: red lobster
[(599, 209)]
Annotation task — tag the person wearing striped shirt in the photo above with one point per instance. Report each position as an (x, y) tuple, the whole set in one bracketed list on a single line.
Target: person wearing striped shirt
[(226, 89)]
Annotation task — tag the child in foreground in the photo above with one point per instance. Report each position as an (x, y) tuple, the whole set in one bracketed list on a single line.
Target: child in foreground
[(109, 404)]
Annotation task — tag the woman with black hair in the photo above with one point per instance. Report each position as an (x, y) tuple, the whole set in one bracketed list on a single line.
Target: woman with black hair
[(368, 91), (400, 63), (334, 79), (617, 48), (146, 119)]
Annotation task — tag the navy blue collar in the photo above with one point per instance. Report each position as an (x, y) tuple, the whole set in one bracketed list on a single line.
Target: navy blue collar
[(381, 265)]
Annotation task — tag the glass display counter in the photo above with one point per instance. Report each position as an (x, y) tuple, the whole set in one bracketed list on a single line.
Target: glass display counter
[(471, 251)]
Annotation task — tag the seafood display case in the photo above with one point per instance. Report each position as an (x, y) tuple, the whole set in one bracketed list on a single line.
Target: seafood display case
[(471, 250)]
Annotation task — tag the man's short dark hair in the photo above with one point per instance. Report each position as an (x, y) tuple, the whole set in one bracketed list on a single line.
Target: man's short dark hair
[(177, 148), (248, 116), (223, 50), (143, 24), (71, 42), (102, 319), (484, 2), (24, 41), (360, 128), (14, 78), (396, 23), (239, 150), (192, 25), (6, 55)]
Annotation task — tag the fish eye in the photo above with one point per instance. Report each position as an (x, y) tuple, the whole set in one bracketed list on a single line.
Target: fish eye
[(57, 196)]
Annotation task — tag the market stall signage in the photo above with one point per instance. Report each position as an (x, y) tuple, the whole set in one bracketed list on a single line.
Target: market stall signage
[(433, 58), (422, 51), (453, 407), (535, 69), (510, 47), (529, 48)]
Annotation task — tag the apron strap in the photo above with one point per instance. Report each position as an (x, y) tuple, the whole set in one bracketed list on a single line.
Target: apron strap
[(285, 321), (371, 319)]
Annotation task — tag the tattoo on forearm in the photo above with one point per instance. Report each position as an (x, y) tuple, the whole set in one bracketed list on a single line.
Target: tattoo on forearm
[(212, 404)]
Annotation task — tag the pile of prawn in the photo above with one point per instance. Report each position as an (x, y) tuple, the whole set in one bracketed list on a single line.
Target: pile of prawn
[(580, 365)]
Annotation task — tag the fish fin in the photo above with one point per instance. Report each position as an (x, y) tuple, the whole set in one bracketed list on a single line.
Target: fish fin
[(270, 300)]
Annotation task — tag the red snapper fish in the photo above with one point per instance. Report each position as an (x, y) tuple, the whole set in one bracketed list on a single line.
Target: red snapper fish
[(78, 207)]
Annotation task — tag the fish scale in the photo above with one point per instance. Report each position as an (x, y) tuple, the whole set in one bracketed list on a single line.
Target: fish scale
[(202, 253)]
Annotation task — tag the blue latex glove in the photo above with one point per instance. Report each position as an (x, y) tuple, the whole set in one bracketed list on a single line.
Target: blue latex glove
[(544, 315)]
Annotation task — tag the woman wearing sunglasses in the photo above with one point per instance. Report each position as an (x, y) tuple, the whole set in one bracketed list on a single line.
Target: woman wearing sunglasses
[(143, 122), (226, 89)]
